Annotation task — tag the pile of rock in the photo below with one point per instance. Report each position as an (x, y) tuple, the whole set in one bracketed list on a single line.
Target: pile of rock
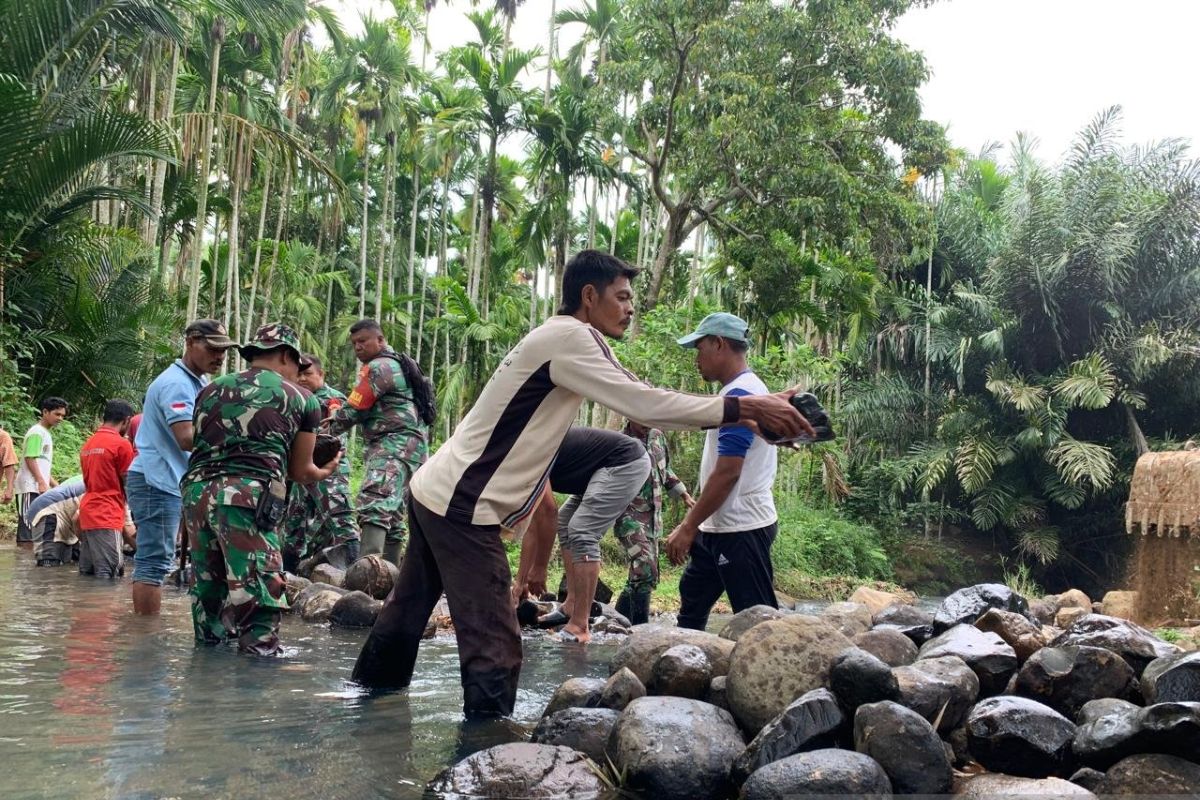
[(978, 698)]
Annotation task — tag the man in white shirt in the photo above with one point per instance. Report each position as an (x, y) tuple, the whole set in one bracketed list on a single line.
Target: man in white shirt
[(729, 531), (491, 474), (37, 457)]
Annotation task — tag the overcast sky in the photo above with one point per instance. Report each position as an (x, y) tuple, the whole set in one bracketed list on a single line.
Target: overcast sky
[(1045, 67)]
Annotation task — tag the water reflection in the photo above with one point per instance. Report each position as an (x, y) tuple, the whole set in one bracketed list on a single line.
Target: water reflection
[(98, 703)]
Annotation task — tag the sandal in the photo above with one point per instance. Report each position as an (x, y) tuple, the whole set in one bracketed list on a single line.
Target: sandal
[(566, 637)]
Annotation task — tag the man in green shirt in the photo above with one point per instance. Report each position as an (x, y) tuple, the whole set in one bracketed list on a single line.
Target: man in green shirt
[(37, 457), (251, 430)]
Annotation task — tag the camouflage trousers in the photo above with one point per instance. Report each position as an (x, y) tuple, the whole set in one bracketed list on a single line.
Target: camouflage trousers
[(389, 464), (640, 544), (319, 516), (238, 591)]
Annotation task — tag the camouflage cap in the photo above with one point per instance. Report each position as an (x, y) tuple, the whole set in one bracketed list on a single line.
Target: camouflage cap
[(271, 336)]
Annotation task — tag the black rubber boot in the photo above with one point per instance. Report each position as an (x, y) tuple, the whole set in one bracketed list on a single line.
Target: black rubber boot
[(623, 604), (394, 552), (373, 538), (639, 608)]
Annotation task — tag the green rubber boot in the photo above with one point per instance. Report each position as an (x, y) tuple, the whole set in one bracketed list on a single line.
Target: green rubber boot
[(372, 540), (393, 552)]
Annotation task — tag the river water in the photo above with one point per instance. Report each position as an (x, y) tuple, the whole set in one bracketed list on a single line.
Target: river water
[(98, 703)]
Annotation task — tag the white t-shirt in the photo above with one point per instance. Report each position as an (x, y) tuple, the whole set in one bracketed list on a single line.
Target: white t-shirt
[(37, 444), (751, 503)]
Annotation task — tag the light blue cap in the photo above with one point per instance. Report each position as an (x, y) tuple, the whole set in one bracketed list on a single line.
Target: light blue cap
[(723, 324)]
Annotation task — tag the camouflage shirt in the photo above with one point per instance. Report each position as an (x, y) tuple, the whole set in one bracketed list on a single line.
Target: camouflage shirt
[(331, 400), (381, 402), (244, 426), (649, 500)]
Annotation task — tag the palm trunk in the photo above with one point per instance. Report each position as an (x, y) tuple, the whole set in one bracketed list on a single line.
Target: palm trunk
[(160, 166), (258, 239), (218, 36), (235, 200), (489, 208), (412, 253), (364, 227), (284, 204), (385, 223), (424, 284), (148, 230)]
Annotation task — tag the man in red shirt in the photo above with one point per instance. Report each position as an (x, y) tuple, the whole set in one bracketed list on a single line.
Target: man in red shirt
[(105, 459)]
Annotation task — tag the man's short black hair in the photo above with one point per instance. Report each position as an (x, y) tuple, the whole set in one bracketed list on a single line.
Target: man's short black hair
[(736, 345), (118, 411), (591, 268), (53, 403), (316, 361), (367, 324)]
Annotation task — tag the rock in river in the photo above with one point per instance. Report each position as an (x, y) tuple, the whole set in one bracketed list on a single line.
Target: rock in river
[(969, 604), (747, 618), (582, 729), (1065, 678), (888, 645), (575, 693), (821, 773), (1173, 679), (373, 575), (813, 722), (938, 689), (1018, 736), (992, 661), (671, 748), (776, 662), (1151, 775), (647, 642), (521, 770), (1129, 640), (857, 678), (355, 610), (682, 671), (905, 745)]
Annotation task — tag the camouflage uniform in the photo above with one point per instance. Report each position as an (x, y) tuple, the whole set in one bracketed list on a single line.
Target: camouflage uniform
[(244, 428), (640, 526), (321, 514), (395, 441)]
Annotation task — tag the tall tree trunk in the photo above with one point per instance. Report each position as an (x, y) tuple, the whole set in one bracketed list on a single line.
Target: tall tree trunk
[(235, 201), (412, 253), (424, 282), (364, 227), (160, 166), (147, 229), (258, 240), (285, 204), (489, 208), (386, 223), (218, 37), (1136, 437), (472, 255)]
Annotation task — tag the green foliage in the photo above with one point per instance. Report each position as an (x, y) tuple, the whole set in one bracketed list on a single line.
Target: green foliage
[(825, 543)]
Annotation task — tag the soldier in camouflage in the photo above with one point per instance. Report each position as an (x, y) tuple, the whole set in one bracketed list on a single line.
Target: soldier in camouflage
[(639, 528), (395, 439), (251, 430), (320, 515)]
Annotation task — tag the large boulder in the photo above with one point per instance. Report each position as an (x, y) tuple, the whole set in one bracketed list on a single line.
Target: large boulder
[(828, 773), (967, 605), (849, 618), (1066, 617), (1120, 604), (994, 785), (857, 678), (355, 610), (682, 671), (1044, 611), (942, 690), (621, 689), (1114, 731), (716, 693), (813, 722), (992, 661), (293, 586), (1073, 598), (1023, 636), (373, 575), (575, 693), (672, 747), (1065, 678), (1150, 775), (905, 745), (1173, 679), (1019, 736), (647, 642), (329, 574), (876, 600), (521, 770), (1129, 640), (583, 729), (913, 622), (890, 646), (317, 606), (747, 618), (776, 662)]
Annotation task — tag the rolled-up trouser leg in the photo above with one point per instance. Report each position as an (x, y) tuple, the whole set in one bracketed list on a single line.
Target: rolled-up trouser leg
[(609, 492), (390, 652)]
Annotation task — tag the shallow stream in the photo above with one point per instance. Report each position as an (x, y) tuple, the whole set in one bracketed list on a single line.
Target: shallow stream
[(98, 703)]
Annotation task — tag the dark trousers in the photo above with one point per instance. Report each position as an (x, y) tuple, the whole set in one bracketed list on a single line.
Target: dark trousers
[(737, 564), (469, 564)]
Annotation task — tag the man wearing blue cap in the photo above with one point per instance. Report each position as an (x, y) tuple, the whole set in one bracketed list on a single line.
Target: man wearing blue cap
[(729, 531)]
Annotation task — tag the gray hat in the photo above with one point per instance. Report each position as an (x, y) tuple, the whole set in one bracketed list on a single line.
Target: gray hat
[(723, 324)]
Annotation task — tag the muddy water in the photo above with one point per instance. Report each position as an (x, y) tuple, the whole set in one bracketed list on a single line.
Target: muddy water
[(97, 703)]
